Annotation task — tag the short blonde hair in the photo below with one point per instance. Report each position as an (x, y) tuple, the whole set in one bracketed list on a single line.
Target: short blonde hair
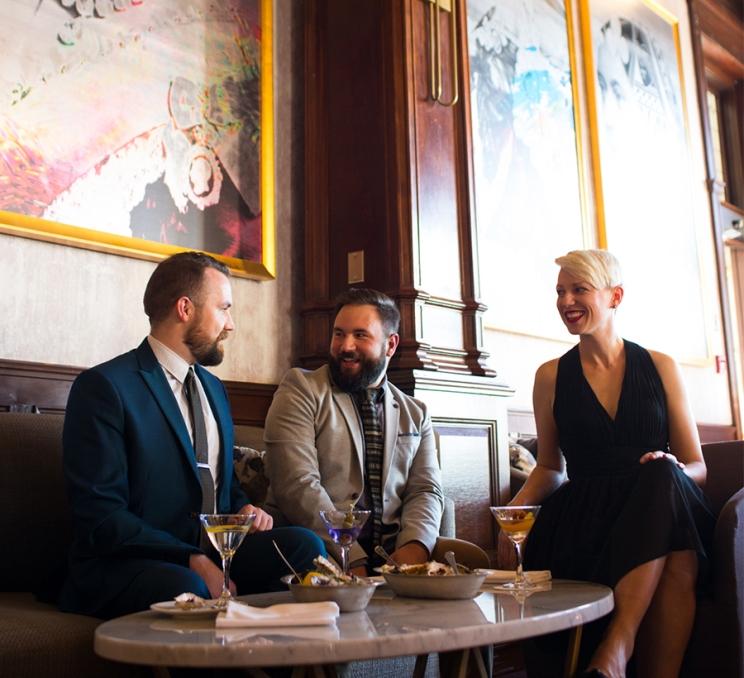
[(598, 267)]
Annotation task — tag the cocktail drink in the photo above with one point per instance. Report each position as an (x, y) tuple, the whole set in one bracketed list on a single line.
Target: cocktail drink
[(344, 528), (516, 522), (226, 531)]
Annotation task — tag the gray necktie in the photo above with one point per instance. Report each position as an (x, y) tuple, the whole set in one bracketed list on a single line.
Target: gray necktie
[(201, 446)]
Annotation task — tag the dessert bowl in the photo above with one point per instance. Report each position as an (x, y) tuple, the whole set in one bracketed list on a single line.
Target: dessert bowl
[(444, 587), (349, 597)]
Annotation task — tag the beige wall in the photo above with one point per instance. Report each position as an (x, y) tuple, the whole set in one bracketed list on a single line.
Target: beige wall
[(71, 306)]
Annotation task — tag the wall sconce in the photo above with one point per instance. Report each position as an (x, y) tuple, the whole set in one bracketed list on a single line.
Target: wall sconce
[(435, 51)]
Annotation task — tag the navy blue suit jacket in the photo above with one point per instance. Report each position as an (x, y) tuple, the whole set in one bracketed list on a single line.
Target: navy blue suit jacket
[(131, 475)]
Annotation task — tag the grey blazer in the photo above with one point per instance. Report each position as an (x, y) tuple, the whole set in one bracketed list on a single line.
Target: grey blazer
[(315, 458)]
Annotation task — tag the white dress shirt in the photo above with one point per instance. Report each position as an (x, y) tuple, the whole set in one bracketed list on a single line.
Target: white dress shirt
[(175, 369)]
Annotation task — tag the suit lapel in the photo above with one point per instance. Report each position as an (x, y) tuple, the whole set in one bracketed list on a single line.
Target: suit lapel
[(392, 418), (153, 376), (349, 411)]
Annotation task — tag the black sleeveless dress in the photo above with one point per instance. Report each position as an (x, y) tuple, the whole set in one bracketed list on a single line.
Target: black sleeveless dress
[(614, 514)]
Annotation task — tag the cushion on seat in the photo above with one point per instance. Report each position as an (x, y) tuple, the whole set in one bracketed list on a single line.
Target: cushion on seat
[(38, 640), (33, 503), (725, 462)]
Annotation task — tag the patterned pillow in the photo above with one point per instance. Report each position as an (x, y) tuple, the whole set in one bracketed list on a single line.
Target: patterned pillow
[(520, 458), (249, 468)]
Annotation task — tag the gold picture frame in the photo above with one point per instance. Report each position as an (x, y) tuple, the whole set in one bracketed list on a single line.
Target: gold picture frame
[(642, 170), (529, 173), (144, 112)]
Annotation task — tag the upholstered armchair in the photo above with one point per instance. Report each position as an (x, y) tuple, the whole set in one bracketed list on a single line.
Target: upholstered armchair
[(717, 644)]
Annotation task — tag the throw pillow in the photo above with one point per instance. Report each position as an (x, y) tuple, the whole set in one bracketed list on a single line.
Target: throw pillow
[(249, 468)]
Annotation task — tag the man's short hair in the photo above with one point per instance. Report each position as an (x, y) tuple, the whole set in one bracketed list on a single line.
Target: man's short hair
[(364, 296), (180, 275)]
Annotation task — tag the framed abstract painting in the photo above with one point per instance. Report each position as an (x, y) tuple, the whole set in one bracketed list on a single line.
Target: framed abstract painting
[(642, 168), (140, 127), (528, 177)]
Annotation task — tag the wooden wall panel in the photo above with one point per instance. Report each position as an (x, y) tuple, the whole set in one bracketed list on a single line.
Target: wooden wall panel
[(436, 217), (48, 387), (698, 10), (39, 384), (387, 173), (463, 448)]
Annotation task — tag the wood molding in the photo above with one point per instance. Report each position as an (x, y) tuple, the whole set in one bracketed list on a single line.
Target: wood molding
[(385, 174), (714, 433), (523, 421), (722, 69), (44, 385), (47, 386), (715, 213), (723, 34), (249, 402), (463, 444)]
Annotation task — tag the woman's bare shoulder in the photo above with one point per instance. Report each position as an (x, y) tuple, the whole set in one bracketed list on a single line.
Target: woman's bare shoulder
[(664, 363), (549, 368), (546, 374), (669, 372)]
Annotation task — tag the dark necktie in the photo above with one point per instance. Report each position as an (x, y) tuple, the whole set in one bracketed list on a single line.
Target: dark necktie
[(201, 446), (373, 450)]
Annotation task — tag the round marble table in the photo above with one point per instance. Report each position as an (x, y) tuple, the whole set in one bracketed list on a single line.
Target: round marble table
[(389, 627)]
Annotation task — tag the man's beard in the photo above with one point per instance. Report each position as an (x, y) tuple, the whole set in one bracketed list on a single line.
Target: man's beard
[(370, 371), (206, 351)]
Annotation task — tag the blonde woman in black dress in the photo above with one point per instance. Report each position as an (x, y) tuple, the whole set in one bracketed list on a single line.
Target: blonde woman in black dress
[(618, 476)]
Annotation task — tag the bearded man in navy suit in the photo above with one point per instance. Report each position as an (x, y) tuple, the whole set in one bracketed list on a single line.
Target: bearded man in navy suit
[(131, 467)]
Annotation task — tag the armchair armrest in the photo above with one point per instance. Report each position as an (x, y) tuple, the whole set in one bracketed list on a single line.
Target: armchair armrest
[(729, 578), (447, 526)]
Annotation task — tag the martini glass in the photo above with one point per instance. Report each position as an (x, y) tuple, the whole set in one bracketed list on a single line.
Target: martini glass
[(344, 527), (226, 531), (516, 522)]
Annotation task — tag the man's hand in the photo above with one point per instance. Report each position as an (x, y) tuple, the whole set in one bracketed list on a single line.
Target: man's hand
[(263, 521), (359, 570), (411, 553), (210, 573)]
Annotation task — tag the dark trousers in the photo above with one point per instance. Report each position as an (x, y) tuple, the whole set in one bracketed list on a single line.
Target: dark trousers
[(256, 568)]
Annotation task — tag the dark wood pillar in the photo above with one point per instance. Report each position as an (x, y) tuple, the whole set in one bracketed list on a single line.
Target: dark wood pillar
[(389, 174), (720, 62)]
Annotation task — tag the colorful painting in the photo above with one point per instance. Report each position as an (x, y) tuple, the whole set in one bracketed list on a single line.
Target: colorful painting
[(642, 170), (528, 186), (139, 126)]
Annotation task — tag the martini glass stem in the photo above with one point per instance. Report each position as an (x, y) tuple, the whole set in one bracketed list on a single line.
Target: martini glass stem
[(345, 558), (519, 578), (226, 595)]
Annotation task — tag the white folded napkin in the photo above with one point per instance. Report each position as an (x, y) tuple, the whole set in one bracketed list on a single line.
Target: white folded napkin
[(532, 576), (287, 614)]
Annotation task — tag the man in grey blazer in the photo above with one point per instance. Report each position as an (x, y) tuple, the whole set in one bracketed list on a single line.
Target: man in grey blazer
[(343, 434)]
